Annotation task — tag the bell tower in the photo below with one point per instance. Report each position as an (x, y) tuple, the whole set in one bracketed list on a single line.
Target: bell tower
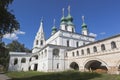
[(39, 41)]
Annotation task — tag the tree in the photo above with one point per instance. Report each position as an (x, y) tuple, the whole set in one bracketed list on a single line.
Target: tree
[(4, 56), (17, 47), (8, 22)]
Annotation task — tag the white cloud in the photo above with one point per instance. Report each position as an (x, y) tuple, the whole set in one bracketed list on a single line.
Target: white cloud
[(93, 34), (103, 33), (13, 36), (19, 32)]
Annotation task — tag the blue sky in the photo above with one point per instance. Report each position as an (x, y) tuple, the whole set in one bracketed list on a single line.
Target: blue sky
[(101, 16)]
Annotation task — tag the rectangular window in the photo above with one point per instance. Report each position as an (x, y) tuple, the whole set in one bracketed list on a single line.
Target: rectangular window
[(77, 44)]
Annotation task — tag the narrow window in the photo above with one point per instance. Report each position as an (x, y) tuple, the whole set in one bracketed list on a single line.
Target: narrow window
[(88, 51), (57, 65), (68, 43), (23, 60), (77, 53), (113, 45), (94, 49), (102, 47), (56, 52), (66, 28), (36, 42), (36, 56), (66, 54), (15, 61), (73, 54), (45, 52), (30, 59), (82, 52), (41, 42), (72, 30), (77, 44)]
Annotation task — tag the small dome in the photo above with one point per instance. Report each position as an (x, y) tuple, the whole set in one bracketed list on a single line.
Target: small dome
[(54, 28), (63, 19), (70, 23), (84, 25), (69, 18)]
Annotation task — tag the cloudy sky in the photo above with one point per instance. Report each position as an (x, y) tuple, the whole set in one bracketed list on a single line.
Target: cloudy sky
[(101, 16)]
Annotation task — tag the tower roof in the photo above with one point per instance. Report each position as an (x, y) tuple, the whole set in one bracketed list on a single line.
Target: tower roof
[(54, 29), (41, 26), (69, 17), (83, 24), (63, 19)]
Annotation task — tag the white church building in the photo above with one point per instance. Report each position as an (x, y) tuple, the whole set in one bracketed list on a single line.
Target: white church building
[(65, 50)]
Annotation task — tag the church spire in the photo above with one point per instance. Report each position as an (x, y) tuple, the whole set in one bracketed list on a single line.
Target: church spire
[(69, 9), (54, 29), (69, 18), (41, 26), (39, 41), (63, 19), (84, 26)]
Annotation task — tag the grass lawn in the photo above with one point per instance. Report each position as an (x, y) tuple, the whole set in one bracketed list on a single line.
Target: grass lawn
[(67, 75)]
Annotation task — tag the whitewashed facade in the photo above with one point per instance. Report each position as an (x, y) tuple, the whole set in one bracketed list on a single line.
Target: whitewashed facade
[(64, 50)]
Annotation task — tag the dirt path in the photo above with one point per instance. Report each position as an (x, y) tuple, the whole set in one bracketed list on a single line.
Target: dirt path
[(4, 77)]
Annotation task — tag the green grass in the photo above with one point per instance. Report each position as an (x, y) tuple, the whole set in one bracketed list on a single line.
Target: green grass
[(66, 75)]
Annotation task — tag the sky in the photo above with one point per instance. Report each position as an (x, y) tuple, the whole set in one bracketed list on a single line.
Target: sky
[(101, 16)]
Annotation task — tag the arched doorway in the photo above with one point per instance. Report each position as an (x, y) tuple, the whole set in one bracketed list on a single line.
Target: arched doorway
[(35, 67), (96, 66), (74, 66)]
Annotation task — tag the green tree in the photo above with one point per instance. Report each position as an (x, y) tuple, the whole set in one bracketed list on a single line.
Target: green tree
[(8, 22), (17, 47), (4, 56)]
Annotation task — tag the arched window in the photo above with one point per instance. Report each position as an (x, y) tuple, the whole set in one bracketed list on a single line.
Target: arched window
[(66, 55), (42, 54), (66, 28), (30, 59), (88, 50), (45, 52), (82, 52), (77, 53), (113, 45), (57, 65), (67, 43), (72, 30), (55, 52), (94, 49), (102, 47), (36, 56), (77, 44), (15, 61), (41, 42), (36, 42), (23, 60), (73, 54)]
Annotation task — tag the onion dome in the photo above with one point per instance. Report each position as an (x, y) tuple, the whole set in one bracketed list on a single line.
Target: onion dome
[(63, 19), (84, 26), (69, 18), (54, 29)]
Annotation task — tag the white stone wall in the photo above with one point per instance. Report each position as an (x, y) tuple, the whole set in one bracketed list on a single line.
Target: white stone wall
[(61, 37), (19, 66), (109, 57)]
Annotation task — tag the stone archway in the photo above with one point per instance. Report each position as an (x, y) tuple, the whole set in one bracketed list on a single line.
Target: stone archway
[(74, 66), (95, 66)]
